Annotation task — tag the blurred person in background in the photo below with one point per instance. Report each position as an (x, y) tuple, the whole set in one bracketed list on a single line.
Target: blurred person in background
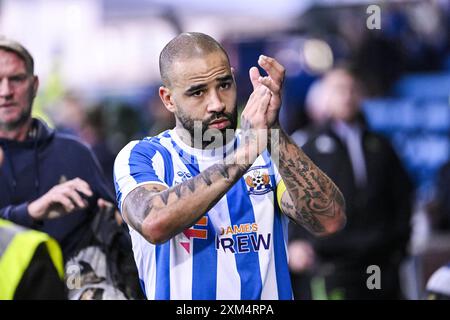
[(315, 112), (89, 123), (49, 181), (93, 131), (378, 194), (69, 113), (161, 119)]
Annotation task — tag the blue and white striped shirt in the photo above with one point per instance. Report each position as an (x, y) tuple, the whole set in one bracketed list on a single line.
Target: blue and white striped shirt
[(237, 250)]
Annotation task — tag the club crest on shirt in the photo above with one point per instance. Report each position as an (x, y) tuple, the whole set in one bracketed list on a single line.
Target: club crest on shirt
[(257, 181)]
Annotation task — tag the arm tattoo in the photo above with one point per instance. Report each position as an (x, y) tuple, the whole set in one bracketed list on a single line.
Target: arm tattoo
[(306, 219), (316, 200), (138, 204), (207, 189)]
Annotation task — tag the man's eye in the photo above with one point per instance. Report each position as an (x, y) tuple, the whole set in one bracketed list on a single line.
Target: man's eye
[(197, 94), (226, 85)]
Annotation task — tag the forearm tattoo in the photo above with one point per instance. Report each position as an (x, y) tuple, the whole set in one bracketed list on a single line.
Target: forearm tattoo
[(315, 198), (138, 204), (150, 200)]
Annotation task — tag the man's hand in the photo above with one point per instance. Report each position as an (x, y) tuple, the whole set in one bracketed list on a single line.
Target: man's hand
[(104, 205), (60, 200), (254, 124), (274, 81)]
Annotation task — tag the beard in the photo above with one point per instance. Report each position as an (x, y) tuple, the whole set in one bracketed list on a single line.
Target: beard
[(197, 126), (23, 117)]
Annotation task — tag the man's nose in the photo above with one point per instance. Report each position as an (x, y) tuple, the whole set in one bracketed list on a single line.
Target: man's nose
[(215, 103), (5, 88)]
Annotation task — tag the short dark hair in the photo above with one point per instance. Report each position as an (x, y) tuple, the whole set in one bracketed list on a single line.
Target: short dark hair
[(15, 47), (186, 45)]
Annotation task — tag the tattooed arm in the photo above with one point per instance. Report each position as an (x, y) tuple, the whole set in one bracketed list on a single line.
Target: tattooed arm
[(158, 213), (311, 198)]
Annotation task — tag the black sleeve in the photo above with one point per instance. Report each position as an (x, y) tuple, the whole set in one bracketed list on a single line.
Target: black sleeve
[(93, 175), (18, 214), (402, 190), (40, 281), (442, 198)]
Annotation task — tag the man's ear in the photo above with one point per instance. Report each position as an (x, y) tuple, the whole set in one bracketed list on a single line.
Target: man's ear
[(166, 97), (35, 85)]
